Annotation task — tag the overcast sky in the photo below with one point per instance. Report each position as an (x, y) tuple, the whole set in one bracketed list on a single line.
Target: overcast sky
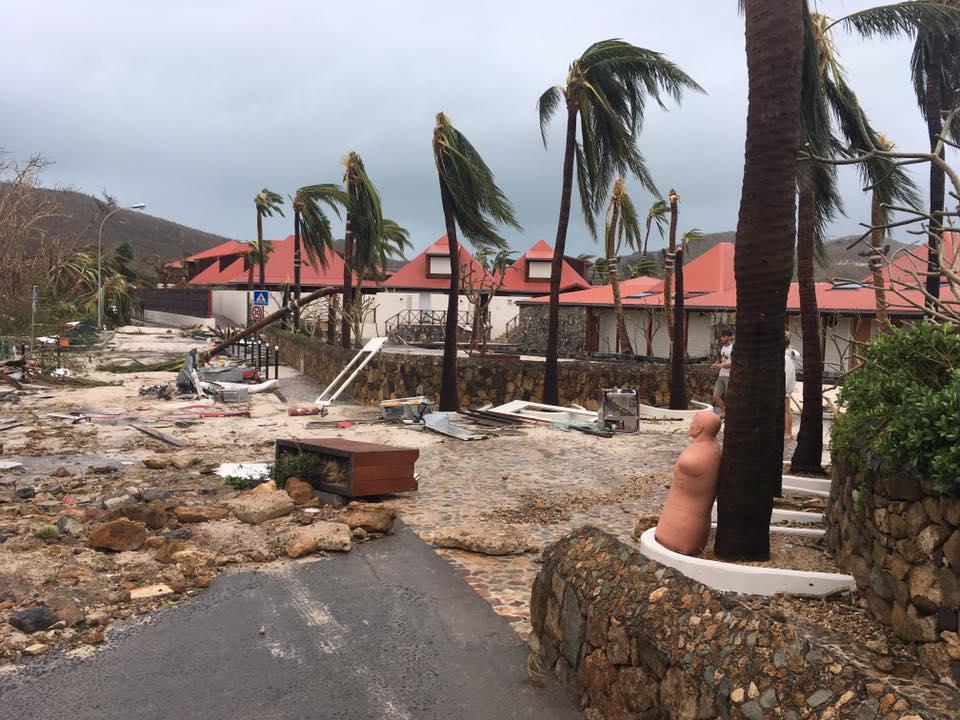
[(193, 106)]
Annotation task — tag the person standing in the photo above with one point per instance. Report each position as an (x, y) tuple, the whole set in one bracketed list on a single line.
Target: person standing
[(723, 362), (790, 357)]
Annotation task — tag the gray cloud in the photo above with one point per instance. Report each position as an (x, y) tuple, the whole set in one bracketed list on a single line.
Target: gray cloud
[(192, 107)]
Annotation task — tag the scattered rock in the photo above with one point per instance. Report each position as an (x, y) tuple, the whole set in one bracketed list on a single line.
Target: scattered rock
[(178, 534), (486, 538), (119, 535), (153, 495), (94, 637), (265, 487), (359, 533), (61, 472), (68, 526), (299, 491), (103, 469), (119, 501), (33, 619), (327, 536), (644, 523), (155, 541), (206, 467), (182, 463), (257, 507), (25, 492), (68, 612), (150, 591), (153, 514), (177, 551), (35, 649), (156, 463), (198, 513), (374, 518)]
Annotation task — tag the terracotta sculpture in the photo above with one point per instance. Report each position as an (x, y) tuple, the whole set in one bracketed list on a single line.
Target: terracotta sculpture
[(685, 521)]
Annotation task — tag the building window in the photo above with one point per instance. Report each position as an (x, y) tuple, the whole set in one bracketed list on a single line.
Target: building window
[(438, 265), (538, 269)]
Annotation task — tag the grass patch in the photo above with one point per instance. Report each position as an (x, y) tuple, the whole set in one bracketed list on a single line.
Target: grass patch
[(310, 468)]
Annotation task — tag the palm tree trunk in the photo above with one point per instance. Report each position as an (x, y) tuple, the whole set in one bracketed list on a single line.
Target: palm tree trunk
[(449, 392), (876, 255), (261, 256), (807, 455), (678, 385), (332, 320), (933, 105), (646, 237), (751, 467), (551, 391), (668, 266), (650, 333), (347, 283), (249, 285), (624, 343), (296, 267)]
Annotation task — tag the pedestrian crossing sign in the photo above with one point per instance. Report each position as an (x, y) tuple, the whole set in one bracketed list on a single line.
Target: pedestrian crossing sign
[(261, 298)]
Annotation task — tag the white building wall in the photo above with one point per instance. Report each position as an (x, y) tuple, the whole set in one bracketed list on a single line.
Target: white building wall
[(232, 305)]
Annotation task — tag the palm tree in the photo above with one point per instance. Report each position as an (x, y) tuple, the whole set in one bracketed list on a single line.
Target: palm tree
[(268, 203), (606, 91), (471, 199), (668, 264), (828, 101), (752, 450), (257, 255), (311, 226), (369, 259), (364, 221), (656, 215), (621, 226), (678, 380)]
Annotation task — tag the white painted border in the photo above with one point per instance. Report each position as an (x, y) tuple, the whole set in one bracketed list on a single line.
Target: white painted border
[(731, 577), (779, 515), (665, 414), (806, 492), (807, 483)]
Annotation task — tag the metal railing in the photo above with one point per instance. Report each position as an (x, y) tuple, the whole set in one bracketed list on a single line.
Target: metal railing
[(420, 318)]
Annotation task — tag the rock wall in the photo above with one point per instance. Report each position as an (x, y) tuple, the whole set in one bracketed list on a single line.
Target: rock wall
[(900, 539), (632, 640), (485, 380), (531, 333)]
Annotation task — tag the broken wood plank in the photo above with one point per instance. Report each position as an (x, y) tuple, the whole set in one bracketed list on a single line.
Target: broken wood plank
[(152, 432)]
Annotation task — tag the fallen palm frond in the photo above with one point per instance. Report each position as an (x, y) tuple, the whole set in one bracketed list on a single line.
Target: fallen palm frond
[(172, 365)]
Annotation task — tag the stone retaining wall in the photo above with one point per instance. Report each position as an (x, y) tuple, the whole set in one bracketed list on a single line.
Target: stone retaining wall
[(900, 539), (487, 379), (631, 639)]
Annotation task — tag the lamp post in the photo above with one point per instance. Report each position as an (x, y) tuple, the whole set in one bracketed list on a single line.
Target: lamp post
[(138, 206)]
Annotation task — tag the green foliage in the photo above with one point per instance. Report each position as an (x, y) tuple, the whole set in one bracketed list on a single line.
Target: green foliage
[(303, 465), (44, 532), (902, 406), (241, 483)]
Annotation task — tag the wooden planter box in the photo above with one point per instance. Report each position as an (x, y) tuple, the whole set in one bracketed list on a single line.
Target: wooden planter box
[(366, 468)]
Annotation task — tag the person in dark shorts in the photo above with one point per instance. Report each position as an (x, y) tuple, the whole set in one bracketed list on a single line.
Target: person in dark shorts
[(723, 362)]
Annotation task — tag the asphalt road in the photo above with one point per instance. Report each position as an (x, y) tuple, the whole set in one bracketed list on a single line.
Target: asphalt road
[(387, 631)]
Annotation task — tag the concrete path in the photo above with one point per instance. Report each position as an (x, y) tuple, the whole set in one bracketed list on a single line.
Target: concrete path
[(387, 631)]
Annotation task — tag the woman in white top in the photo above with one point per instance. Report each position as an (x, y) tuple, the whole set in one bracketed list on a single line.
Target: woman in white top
[(790, 358)]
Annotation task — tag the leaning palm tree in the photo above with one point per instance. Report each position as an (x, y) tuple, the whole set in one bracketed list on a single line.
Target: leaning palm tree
[(656, 215), (268, 203), (606, 91), (257, 255), (622, 226), (364, 225), (369, 258), (752, 450), (668, 263), (311, 227), (471, 200)]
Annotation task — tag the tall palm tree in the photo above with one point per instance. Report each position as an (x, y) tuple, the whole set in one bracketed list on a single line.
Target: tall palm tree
[(752, 450), (471, 200), (622, 226), (267, 203), (606, 91), (257, 255), (369, 258), (311, 227), (832, 122), (678, 378), (364, 222), (656, 215)]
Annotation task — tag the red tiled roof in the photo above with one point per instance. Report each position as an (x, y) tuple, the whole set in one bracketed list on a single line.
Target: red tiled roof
[(712, 271), (516, 277), (230, 247), (213, 275), (909, 263), (413, 275)]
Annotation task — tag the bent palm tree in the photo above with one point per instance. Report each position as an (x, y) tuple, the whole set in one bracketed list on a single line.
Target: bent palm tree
[(656, 215), (257, 255), (369, 260), (471, 200), (311, 226), (267, 203), (606, 92), (751, 466), (621, 226)]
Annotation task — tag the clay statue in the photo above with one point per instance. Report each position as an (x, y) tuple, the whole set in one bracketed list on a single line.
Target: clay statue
[(685, 521)]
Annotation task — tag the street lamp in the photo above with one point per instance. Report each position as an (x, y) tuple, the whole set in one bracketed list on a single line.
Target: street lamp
[(137, 206)]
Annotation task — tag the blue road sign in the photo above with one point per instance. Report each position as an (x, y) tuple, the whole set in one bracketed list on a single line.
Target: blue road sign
[(261, 297)]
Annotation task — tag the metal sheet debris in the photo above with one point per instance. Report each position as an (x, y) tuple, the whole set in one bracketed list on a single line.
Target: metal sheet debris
[(439, 422), (247, 471)]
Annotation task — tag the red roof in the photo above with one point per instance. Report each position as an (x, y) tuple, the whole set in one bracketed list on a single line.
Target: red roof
[(213, 275), (712, 271), (516, 281), (908, 264), (230, 247), (413, 275)]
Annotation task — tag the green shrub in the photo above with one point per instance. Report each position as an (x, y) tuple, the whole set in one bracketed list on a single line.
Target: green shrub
[(902, 406)]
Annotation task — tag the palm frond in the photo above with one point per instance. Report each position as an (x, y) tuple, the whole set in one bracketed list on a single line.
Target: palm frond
[(547, 106), (268, 202), (315, 230), (479, 205), (903, 18)]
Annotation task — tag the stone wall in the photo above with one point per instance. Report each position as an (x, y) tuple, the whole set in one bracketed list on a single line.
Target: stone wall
[(531, 333), (900, 539), (632, 640), (485, 380)]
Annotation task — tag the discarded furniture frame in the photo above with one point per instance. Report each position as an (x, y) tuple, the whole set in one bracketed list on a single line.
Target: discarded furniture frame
[(352, 369), (363, 469)]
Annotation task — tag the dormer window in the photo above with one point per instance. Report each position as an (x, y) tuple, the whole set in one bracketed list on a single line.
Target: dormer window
[(438, 266), (538, 269)]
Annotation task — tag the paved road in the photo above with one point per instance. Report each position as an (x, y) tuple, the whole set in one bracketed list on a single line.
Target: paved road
[(387, 631)]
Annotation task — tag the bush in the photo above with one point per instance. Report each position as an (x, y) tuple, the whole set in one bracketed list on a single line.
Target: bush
[(902, 406)]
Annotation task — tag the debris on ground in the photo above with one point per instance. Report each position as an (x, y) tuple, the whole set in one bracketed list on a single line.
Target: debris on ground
[(485, 538)]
